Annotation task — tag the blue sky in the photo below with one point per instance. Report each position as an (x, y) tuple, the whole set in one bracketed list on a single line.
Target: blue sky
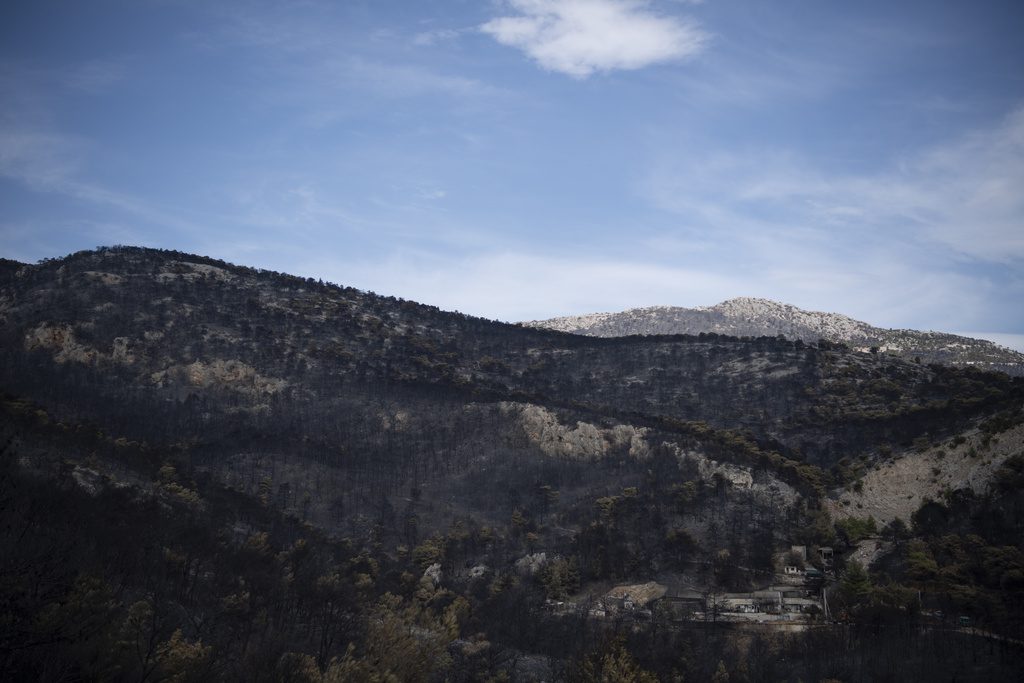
[(520, 159)]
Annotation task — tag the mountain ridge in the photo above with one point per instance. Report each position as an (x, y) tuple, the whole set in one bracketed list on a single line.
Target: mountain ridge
[(751, 316), (175, 325)]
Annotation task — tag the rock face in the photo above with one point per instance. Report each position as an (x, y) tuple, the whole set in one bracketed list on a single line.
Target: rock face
[(231, 374), (529, 565), (740, 477), (433, 573), (61, 340), (585, 440), (897, 488), (752, 317)]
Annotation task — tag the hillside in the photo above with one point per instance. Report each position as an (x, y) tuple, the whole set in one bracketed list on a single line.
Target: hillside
[(317, 471), (749, 317)]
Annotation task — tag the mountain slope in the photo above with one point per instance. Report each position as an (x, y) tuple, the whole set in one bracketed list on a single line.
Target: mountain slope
[(190, 448), (180, 331), (342, 401), (750, 317)]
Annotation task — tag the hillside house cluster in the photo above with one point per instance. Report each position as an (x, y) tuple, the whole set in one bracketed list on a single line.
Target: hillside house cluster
[(655, 601), (785, 602), (796, 565)]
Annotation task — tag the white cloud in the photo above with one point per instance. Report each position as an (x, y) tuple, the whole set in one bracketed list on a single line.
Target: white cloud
[(580, 37)]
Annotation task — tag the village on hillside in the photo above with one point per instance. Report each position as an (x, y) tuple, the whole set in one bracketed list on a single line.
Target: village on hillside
[(795, 594)]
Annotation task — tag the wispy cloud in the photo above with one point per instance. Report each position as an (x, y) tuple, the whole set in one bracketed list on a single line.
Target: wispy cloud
[(962, 195), (263, 26), (96, 76), (937, 235), (407, 80), (516, 285), (431, 194), (527, 285), (42, 160), (328, 71), (430, 38), (49, 162), (581, 37)]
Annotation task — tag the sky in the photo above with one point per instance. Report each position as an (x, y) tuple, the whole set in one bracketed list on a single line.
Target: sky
[(522, 159)]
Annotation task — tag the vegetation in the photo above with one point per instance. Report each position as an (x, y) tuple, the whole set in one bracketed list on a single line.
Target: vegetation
[(211, 472)]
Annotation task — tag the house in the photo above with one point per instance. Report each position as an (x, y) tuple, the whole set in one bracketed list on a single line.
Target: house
[(683, 606), (825, 554), (736, 603), (792, 570), (782, 602), (768, 601), (800, 605)]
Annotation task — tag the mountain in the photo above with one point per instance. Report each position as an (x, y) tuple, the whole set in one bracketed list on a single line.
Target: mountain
[(750, 317), (173, 328), (209, 472)]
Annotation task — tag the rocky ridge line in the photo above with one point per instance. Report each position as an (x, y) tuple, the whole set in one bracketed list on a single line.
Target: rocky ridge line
[(754, 317)]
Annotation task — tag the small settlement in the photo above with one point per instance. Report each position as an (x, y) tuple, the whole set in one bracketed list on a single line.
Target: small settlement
[(795, 595)]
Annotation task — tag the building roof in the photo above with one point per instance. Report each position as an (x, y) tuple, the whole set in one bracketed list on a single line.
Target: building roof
[(641, 593)]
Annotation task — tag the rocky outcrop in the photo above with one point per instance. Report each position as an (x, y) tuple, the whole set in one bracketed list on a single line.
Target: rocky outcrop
[(121, 351), (529, 565), (61, 340), (190, 272), (742, 316), (229, 374), (104, 278), (433, 574), (582, 441)]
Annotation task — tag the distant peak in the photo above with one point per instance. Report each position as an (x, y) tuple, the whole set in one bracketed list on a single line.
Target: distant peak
[(738, 301)]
